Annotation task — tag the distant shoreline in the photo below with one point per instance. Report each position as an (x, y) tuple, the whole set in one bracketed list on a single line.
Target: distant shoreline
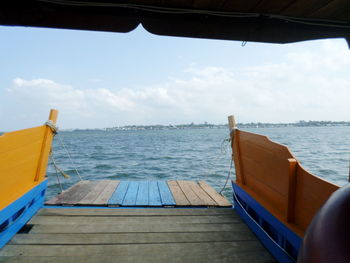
[(217, 126), (220, 126)]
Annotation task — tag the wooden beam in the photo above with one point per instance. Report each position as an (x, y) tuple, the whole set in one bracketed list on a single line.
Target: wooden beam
[(46, 148), (234, 134), (292, 185), (231, 123)]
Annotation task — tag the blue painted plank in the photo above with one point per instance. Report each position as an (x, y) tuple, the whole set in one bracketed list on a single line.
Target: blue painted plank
[(28, 204), (154, 195), (117, 197), (142, 195), (131, 194), (165, 194)]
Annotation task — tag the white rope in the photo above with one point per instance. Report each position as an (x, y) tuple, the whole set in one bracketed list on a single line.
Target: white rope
[(56, 169), (52, 126), (228, 177), (69, 156)]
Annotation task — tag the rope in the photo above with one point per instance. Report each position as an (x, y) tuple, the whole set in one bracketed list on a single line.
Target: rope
[(228, 177), (223, 150), (58, 169), (52, 126), (225, 145), (69, 156), (58, 178)]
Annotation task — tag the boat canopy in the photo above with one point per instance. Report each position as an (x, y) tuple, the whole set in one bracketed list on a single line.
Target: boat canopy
[(271, 21)]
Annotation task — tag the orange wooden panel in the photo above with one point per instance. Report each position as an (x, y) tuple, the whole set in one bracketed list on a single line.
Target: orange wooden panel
[(13, 140), (311, 193), (271, 175), (23, 157)]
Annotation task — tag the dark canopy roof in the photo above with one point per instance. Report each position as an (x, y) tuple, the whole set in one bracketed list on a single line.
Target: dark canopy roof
[(273, 21)]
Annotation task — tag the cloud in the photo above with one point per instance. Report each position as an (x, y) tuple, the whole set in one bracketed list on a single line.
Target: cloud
[(303, 85)]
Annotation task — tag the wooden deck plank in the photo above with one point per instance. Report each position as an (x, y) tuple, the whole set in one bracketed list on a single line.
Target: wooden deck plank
[(151, 227), (207, 200), (178, 195), (94, 193), (190, 195), (106, 194), (174, 252), (106, 220), (222, 201), (56, 200), (142, 198), (74, 196), (118, 250), (140, 193), (154, 195), (165, 194), (131, 194), (257, 256), (136, 212), (119, 193), (129, 238), (135, 235)]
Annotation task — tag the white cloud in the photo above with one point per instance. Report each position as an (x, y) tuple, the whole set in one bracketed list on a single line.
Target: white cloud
[(304, 85)]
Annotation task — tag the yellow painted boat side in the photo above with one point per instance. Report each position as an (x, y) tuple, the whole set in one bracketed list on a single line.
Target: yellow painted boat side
[(23, 160), (272, 176)]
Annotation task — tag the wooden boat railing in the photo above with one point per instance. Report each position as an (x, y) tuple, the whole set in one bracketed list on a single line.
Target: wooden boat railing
[(23, 160), (269, 173)]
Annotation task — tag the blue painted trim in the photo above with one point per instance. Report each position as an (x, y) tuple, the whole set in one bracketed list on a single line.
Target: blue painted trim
[(18, 213), (165, 194), (281, 242)]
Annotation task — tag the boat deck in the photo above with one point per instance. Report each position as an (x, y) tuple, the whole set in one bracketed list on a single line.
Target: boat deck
[(140, 194), (135, 235)]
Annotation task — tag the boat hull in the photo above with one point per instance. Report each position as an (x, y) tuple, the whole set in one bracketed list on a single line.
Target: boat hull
[(18, 213), (280, 241)]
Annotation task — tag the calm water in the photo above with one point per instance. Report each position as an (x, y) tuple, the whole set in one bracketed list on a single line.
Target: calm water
[(191, 154)]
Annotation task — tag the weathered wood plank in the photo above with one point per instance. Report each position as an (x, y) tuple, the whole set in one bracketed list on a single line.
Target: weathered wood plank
[(93, 228), (180, 198), (172, 249), (207, 200), (154, 195), (119, 193), (130, 238), (165, 194), (190, 195), (56, 200), (75, 195), (94, 193), (258, 256), (131, 194), (136, 212), (142, 198), (106, 220), (219, 199), (106, 194)]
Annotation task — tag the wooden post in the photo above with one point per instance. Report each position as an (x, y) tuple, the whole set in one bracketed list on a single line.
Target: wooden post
[(292, 185), (231, 123), (45, 148), (234, 134)]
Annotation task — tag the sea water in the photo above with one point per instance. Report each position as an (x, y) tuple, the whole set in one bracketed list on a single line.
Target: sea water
[(188, 154)]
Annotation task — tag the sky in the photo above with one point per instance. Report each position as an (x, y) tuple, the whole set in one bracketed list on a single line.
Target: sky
[(100, 79)]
